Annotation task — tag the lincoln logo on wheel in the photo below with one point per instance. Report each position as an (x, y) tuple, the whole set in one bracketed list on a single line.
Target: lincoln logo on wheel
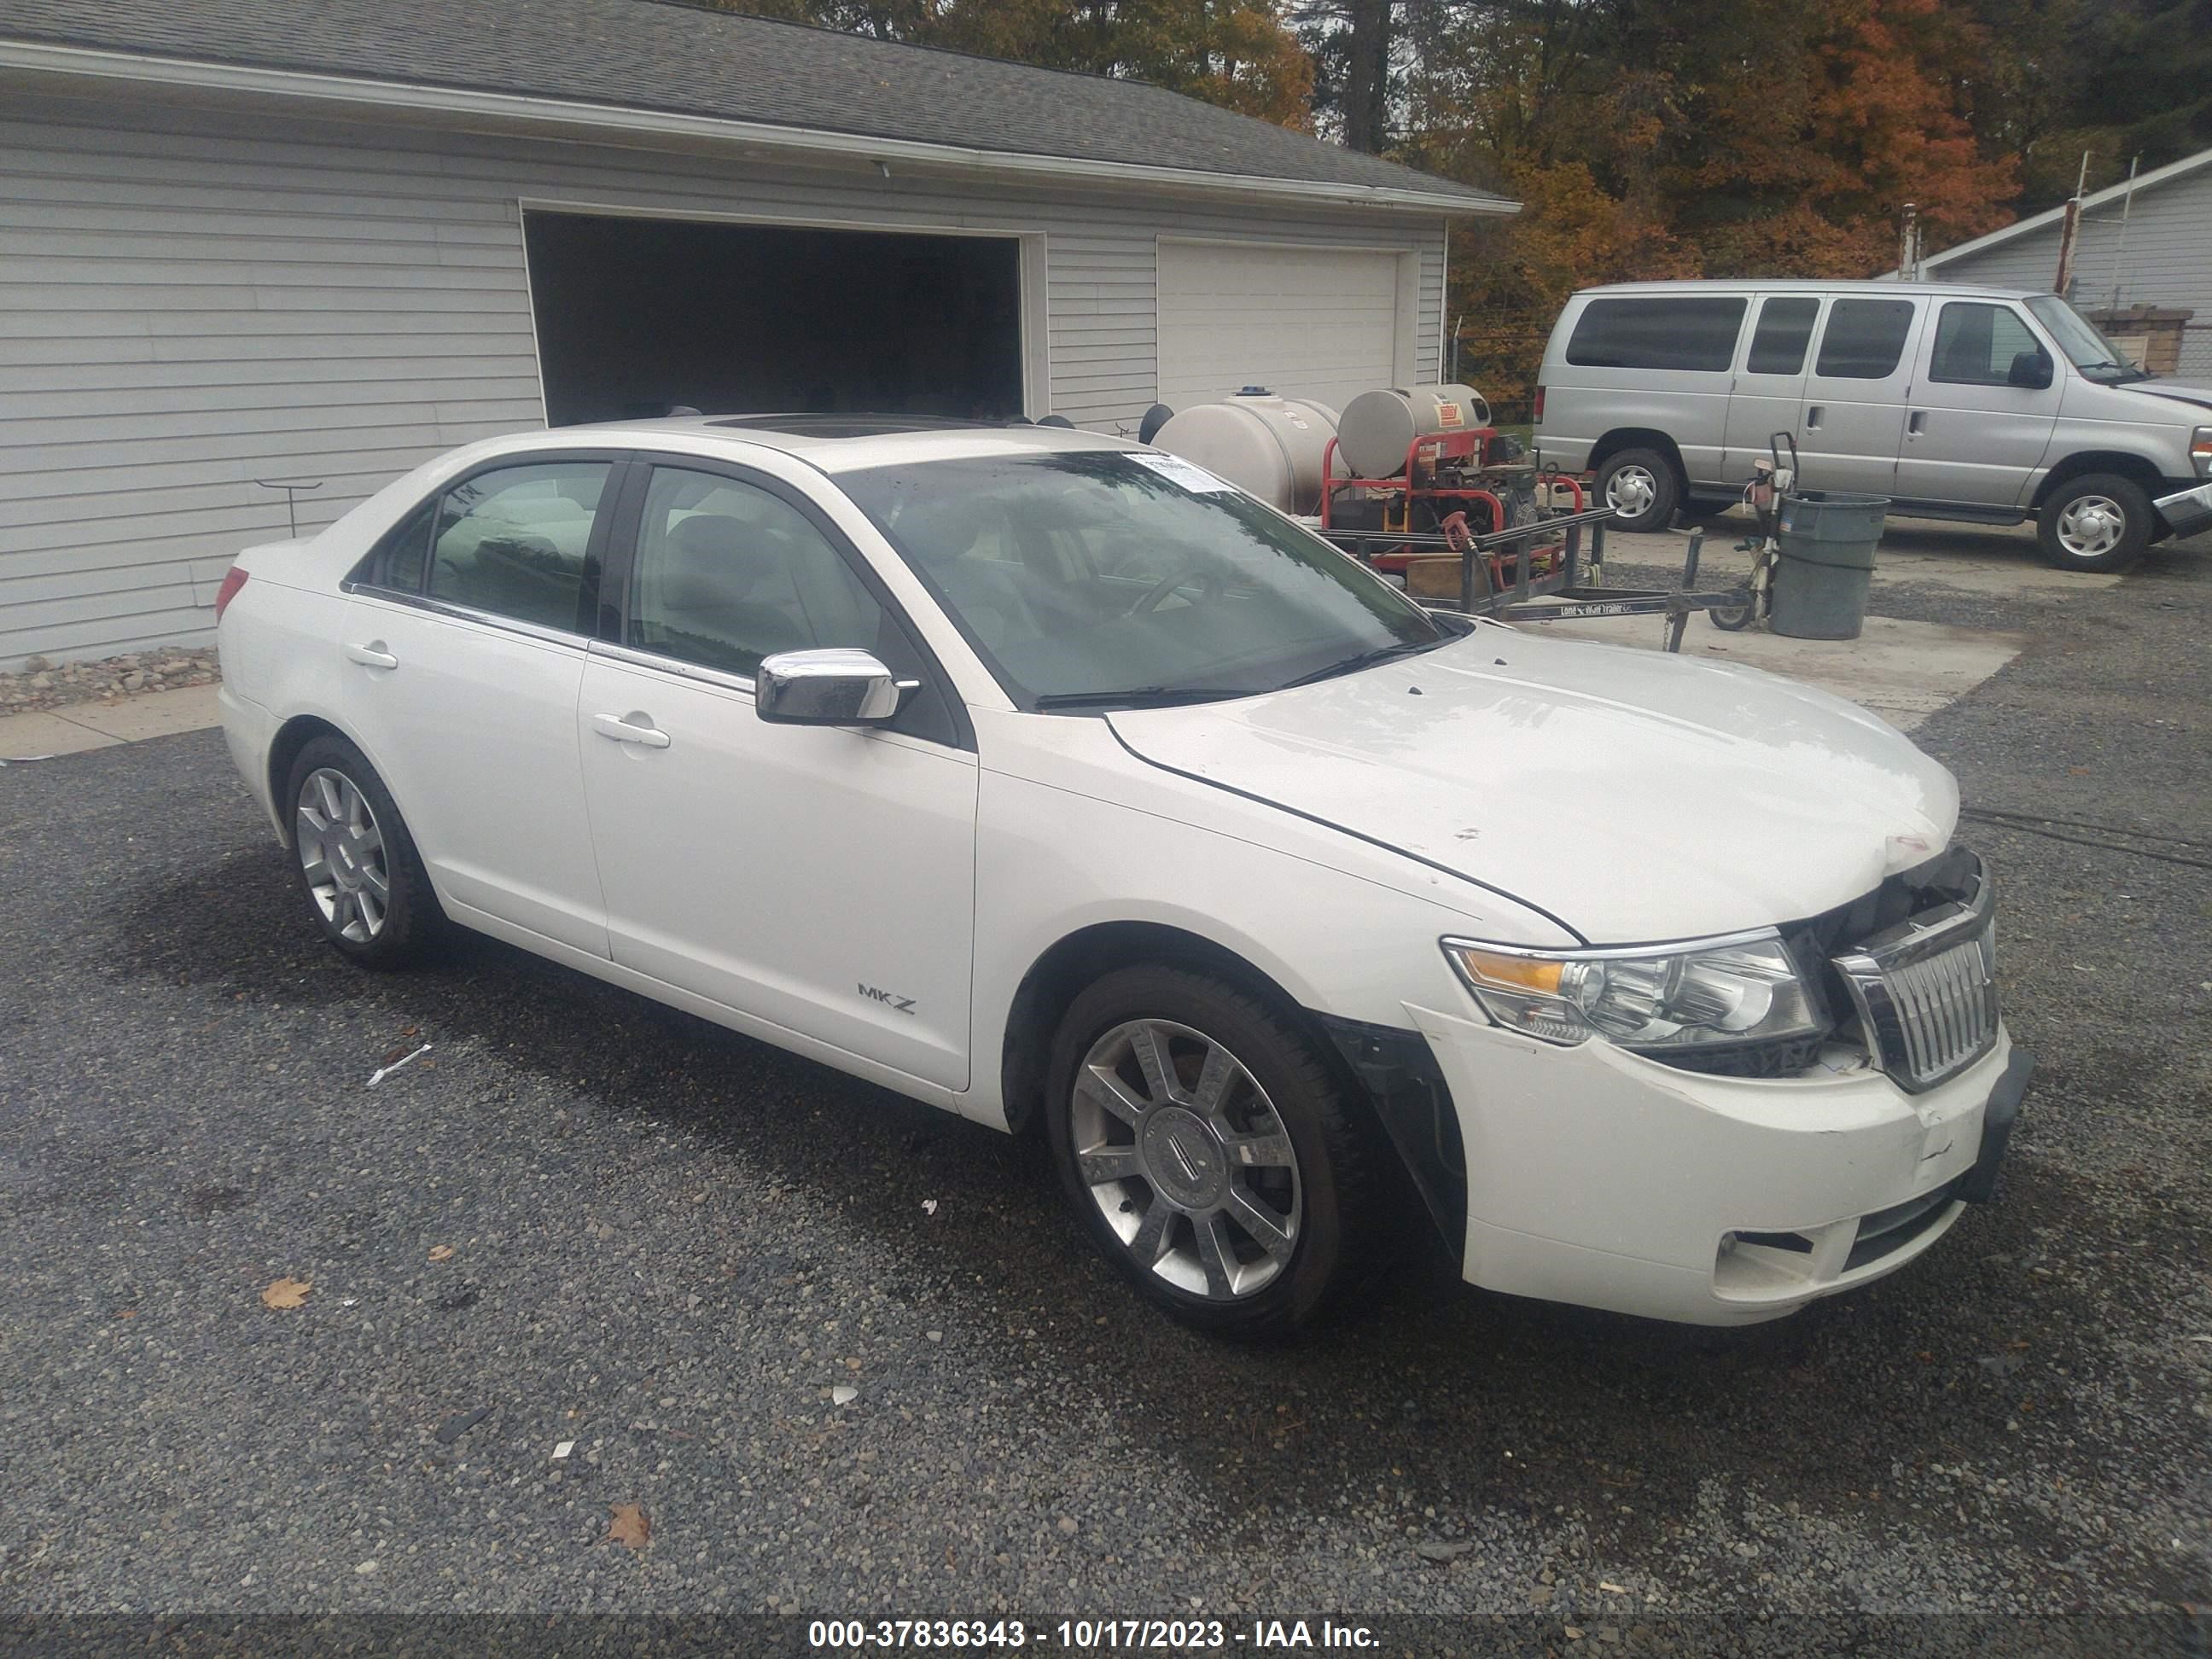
[(904, 1005)]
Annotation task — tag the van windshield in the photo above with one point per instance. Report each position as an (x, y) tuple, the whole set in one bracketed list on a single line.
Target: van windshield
[(1089, 580), (2083, 342)]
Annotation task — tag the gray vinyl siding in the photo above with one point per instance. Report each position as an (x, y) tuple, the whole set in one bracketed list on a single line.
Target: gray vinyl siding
[(191, 300), (2167, 261)]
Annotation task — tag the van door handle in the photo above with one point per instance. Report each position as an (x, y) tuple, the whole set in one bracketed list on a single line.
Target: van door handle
[(637, 728), (1813, 418), (372, 655), (1912, 423)]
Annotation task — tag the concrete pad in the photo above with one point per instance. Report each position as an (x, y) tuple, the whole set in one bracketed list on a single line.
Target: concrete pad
[(31, 736), (1914, 552), (153, 714), (1902, 671)]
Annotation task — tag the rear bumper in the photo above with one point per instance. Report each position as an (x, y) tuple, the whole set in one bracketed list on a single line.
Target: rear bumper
[(250, 729), (1602, 1179)]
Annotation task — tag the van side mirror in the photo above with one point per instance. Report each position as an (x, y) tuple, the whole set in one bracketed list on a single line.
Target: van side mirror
[(833, 687), (2030, 369)]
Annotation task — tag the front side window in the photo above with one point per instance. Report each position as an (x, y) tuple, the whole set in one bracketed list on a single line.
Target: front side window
[(1785, 329), (1864, 339), (1105, 578), (727, 573), (513, 541), (1685, 333), (1979, 345)]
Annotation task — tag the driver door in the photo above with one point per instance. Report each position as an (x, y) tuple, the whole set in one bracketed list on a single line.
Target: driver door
[(819, 878)]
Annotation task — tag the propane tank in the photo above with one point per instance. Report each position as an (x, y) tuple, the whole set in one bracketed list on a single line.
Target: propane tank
[(1380, 427), (1267, 446)]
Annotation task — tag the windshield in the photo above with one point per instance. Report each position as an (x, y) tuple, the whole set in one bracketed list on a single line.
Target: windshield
[(2085, 346), (1106, 578)]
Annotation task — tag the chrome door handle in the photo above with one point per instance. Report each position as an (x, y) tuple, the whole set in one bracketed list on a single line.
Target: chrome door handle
[(372, 655), (1813, 418), (623, 731), (1913, 426)]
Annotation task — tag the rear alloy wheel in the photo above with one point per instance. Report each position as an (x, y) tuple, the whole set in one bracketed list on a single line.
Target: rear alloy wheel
[(2099, 522), (1640, 486), (356, 862), (1208, 1151)]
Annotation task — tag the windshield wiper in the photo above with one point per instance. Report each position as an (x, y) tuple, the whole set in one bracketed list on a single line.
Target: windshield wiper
[(1382, 654), (1142, 696)]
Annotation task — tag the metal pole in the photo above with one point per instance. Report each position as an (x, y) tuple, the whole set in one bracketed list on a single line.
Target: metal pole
[(2127, 206), (2067, 232)]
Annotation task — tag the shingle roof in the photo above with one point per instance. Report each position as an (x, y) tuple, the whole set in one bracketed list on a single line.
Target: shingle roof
[(682, 59)]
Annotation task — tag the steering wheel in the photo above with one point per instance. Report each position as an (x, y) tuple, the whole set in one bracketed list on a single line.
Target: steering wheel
[(1210, 588)]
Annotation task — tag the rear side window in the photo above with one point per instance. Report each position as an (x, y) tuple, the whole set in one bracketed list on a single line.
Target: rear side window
[(1785, 329), (512, 541), (1975, 345), (1685, 333), (1865, 339)]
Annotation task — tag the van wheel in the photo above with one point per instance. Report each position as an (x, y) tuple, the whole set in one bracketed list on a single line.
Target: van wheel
[(1209, 1153), (1639, 485), (2099, 521), (363, 880)]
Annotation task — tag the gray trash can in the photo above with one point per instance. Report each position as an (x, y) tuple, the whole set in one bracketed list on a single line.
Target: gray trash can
[(1827, 539)]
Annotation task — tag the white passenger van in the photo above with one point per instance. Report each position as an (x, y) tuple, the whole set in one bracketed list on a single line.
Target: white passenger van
[(1982, 404)]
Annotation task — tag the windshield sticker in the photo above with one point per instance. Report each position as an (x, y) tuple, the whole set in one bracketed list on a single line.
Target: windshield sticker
[(1176, 469)]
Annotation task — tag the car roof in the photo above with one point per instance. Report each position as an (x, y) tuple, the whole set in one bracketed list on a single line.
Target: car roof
[(1803, 285), (847, 443)]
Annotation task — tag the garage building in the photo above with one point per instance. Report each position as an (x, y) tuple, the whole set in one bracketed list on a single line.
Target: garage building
[(253, 244)]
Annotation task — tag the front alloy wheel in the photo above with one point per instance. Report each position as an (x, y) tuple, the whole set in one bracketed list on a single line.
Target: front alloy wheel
[(1186, 1158), (1214, 1150)]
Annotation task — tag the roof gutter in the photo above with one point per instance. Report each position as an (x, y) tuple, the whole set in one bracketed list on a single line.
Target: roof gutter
[(612, 120)]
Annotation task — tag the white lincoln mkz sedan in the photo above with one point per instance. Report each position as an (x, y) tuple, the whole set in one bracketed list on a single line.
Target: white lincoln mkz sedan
[(1051, 780)]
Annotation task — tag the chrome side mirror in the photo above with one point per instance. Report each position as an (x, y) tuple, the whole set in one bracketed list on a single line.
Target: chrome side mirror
[(830, 687)]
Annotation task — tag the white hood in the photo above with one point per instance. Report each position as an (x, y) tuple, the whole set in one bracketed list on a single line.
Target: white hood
[(1634, 796)]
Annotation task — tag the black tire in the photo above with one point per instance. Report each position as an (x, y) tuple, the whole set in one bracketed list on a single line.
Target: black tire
[(1342, 1217), (1654, 471), (2059, 522), (411, 918), (1731, 618)]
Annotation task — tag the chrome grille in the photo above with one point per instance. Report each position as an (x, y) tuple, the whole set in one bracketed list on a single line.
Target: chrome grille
[(1926, 989)]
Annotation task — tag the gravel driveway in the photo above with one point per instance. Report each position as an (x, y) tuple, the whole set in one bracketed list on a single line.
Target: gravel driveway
[(580, 1218)]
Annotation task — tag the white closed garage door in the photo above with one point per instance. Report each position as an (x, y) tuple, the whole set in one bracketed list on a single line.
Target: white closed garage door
[(1321, 323)]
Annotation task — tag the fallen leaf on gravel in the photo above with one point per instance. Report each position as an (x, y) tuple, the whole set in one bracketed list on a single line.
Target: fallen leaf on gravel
[(629, 1525), (1430, 1550), (442, 1253), (286, 1292), (841, 1395), (1608, 1584), (929, 1205)]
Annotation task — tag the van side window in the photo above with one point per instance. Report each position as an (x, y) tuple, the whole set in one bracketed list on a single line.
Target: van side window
[(1976, 343), (1685, 333), (1785, 329), (1864, 339)]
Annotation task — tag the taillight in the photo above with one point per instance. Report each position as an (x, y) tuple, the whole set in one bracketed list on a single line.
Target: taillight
[(233, 579), (1540, 405)]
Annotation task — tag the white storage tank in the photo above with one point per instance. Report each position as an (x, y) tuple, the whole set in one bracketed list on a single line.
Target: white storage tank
[(1267, 446), (1380, 427)]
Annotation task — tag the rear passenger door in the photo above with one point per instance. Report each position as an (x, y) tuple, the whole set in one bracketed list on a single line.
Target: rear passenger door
[(1769, 392), (464, 643), (1853, 424)]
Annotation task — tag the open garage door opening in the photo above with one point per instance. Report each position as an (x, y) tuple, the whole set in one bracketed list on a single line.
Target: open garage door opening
[(636, 316)]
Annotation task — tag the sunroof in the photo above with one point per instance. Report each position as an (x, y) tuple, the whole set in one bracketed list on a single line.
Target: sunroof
[(845, 426)]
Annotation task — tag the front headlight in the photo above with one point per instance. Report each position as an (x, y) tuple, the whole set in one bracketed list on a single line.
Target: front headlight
[(1742, 989), (2200, 450)]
